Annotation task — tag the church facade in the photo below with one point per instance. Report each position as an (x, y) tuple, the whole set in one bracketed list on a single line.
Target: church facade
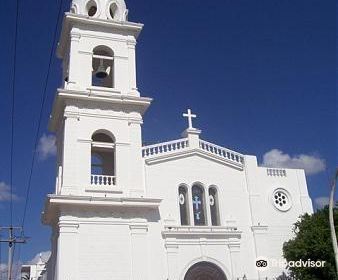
[(179, 210)]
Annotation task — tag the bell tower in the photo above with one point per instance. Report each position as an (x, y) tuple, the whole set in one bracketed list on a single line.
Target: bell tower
[(97, 114), (99, 210)]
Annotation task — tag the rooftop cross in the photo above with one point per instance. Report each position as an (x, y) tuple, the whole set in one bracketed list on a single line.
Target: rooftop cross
[(190, 116)]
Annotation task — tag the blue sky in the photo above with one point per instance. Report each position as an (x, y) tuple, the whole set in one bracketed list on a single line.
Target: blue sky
[(260, 75)]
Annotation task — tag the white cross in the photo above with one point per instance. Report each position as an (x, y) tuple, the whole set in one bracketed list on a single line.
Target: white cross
[(190, 116), (196, 202)]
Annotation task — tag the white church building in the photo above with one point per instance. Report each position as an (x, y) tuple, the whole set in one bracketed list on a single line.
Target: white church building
[(185, 209)]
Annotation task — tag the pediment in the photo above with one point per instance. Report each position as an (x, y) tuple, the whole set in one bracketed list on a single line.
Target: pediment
[(194, 152)]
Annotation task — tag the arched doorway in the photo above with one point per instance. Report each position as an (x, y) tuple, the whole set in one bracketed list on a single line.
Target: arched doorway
[(205, 271)]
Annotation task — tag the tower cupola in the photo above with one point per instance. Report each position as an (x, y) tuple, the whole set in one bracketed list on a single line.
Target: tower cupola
[(102, 9)]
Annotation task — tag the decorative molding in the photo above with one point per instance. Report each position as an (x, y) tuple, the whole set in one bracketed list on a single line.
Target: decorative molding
[(138, 229), (260, 229), (68, 227), (209, 233)]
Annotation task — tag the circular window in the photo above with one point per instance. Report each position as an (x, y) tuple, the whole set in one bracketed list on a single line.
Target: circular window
[(181, 199), (91, 8), (281, 200)]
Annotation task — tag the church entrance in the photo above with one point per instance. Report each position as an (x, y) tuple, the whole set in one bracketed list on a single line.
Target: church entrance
[(205, 271)]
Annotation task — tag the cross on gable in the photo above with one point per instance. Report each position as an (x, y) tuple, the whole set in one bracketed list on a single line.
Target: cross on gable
[(190, 116)]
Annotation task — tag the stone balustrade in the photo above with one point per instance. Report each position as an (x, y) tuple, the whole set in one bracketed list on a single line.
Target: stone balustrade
[(165, 147), (276, 172), (103, 180), (222, 152)]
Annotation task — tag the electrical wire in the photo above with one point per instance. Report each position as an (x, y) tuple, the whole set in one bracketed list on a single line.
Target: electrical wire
[(41, 111), (13, 109), (0, 261)]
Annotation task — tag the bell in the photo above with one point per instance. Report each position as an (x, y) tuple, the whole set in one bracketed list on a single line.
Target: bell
[(101, 71)]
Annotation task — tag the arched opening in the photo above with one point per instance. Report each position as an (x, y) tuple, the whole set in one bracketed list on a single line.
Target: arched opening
[(91, 8), (213, 203), (103, 160), (198, 204), (184, 207), (113, 10), (103, 67), (205, 271)]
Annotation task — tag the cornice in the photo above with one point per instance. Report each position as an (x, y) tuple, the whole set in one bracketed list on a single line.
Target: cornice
[(73, 20), (55, 203), (127, 102)]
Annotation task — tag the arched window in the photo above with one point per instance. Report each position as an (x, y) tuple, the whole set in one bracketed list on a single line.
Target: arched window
[(103, 160), (213, 203), (113, 10), (198, 204), (91, 8), (184, 207), (103, 67)]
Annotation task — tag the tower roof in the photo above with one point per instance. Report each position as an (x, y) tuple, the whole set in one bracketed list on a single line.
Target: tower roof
[(114, 10)]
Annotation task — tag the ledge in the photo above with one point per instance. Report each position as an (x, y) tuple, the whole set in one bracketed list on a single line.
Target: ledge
[(71, 19), (138, 104), (103, 189), (201, 231), (55, 202)]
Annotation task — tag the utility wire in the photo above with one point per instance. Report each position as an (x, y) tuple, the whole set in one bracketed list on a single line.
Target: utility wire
[(0, 262), (41, 111), (13, 109)]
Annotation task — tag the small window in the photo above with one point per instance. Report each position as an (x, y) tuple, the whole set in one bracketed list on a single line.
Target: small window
[(91, 8), (198, 206), (184, 208), (103, 67), (113, 10), (213, 203)]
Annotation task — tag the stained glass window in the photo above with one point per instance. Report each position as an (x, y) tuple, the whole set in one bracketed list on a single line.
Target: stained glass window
[(198, 205)]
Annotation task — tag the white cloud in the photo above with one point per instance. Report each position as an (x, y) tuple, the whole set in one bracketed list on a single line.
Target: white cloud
[(46, 147), (44, 256), (5, 193), (16, 268), (312, 164), (17, 265), (321, 202)]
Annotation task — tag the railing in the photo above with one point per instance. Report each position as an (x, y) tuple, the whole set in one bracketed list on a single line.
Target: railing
[(165, 147), (222, 152), (276, 172), (103, 180)]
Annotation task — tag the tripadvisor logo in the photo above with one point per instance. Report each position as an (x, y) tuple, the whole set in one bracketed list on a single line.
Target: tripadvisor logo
[(307, 263), (263, 263)]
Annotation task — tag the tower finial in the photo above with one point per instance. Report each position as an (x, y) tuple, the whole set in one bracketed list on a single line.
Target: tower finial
[(104, 9)]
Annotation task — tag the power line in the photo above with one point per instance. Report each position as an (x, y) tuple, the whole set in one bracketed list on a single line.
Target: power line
[(41, 111), (13, 109)]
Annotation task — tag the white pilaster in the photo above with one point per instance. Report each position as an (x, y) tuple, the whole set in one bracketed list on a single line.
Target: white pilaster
[(67, 258), (139, 247)]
